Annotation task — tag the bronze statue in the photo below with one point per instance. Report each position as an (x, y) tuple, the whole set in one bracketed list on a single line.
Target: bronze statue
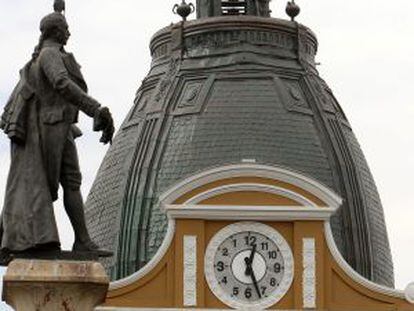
[(40, 118)]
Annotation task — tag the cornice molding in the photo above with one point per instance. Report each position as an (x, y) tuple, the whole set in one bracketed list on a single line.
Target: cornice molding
[(258, 213), (328, 196)]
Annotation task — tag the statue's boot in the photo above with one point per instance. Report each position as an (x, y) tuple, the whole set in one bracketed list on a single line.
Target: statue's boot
[(91, 247), (5, 257), (83, 243)]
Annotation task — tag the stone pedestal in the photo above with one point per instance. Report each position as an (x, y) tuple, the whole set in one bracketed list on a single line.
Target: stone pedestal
[(54, 285)]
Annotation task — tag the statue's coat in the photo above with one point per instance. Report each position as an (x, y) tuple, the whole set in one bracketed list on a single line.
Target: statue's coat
[(35, 173)]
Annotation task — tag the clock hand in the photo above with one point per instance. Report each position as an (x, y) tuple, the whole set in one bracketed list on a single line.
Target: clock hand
[(252, 254), (250, 272), (256, 286), (247, 272), (248, 266)]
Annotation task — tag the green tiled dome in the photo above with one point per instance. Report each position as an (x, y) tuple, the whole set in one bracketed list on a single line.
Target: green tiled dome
[(220, 90)]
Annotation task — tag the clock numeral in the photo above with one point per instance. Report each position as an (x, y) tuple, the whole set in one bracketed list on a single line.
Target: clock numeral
[(273, 282), (272, 255), (265, 246), (277, 267), (225, 252), (220, 266), (235, 291), (234, 243), (263, 290), (250, 240), (248, 293), (224, 280)]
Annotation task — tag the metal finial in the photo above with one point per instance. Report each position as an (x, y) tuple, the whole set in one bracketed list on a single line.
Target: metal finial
[(292, 9), (184, 9), (59, 6)]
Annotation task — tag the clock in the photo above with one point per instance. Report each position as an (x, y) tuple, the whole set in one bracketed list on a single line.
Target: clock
[(249, 265)]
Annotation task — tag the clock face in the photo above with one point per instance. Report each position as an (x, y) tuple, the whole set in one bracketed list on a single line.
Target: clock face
[(249, 265)]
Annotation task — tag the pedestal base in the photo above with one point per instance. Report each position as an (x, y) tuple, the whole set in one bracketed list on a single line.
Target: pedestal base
[(45, 285)]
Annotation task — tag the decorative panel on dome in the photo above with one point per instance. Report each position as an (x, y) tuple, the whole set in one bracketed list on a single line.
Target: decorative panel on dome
[(160, 95), (141, 103), (193, 95), (324, 94), (290, 89)]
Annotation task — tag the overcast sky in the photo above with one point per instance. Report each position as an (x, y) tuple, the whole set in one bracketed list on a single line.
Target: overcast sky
[(366, 54)]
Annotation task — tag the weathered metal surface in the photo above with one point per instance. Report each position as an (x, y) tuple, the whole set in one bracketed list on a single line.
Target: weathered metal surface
[(226, 89)]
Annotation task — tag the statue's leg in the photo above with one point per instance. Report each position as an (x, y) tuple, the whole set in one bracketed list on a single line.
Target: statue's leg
[(74, 207), (71, 180)]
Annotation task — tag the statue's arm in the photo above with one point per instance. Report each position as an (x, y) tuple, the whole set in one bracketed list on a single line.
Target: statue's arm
[(52, 65)]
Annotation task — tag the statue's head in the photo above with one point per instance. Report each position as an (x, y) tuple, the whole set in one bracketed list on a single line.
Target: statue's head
[(55, 27)]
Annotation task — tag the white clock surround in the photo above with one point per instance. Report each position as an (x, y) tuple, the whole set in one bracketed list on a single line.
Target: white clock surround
[(264, 230)]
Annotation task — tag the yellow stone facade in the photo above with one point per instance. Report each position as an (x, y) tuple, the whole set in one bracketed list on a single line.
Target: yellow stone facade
[(295, 206)]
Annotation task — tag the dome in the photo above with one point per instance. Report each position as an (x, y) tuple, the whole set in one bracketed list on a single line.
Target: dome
[(224, 90)]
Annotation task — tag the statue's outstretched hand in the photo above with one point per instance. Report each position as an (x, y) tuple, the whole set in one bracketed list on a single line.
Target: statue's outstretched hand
[(102, 121)]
